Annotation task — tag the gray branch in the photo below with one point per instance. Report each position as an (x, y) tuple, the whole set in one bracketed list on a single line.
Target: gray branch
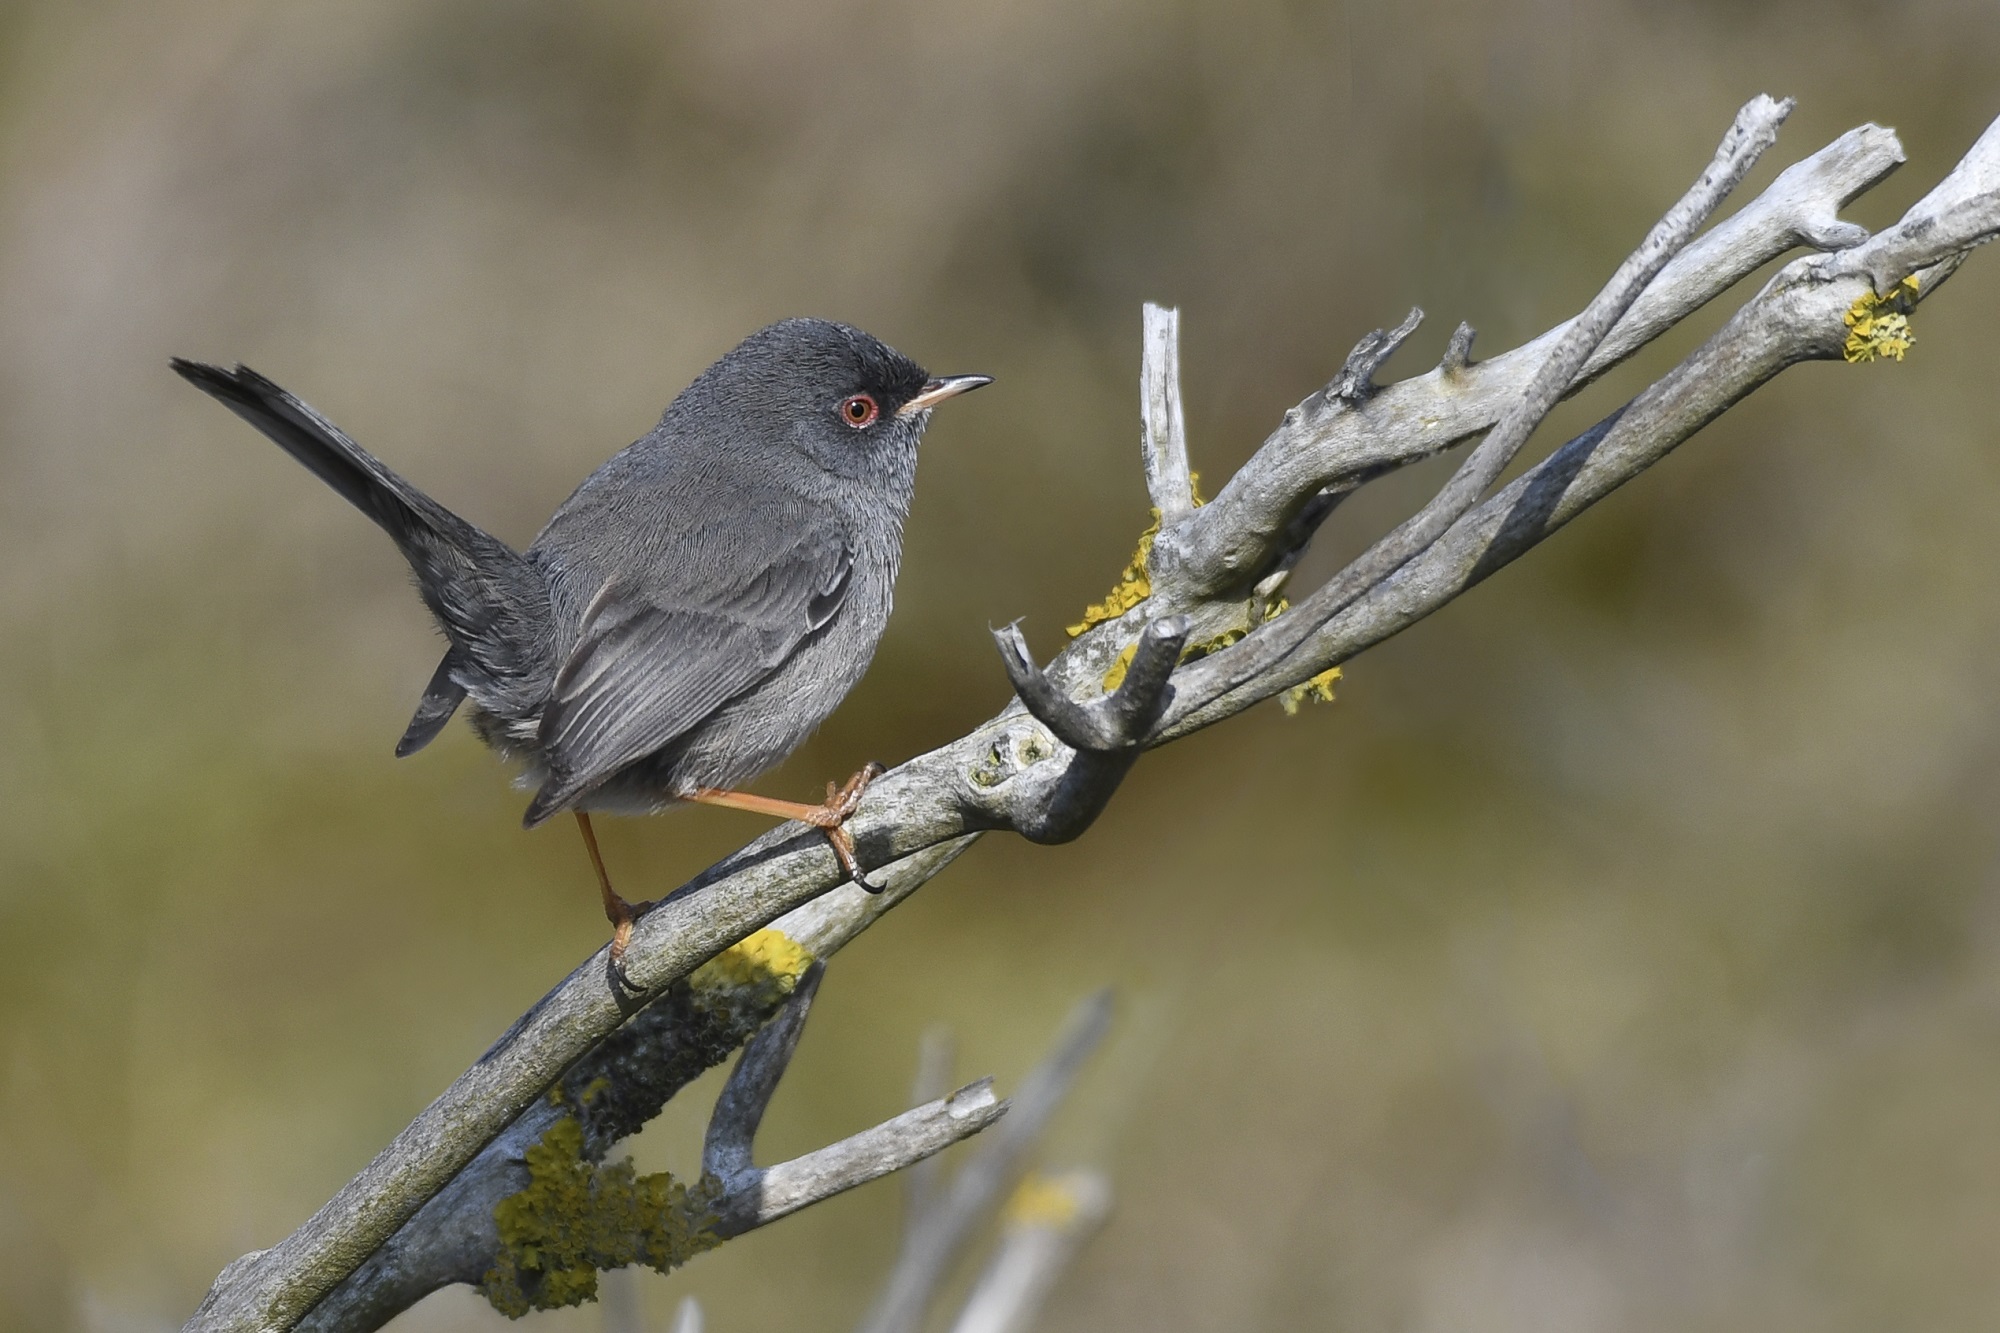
[(1756, 129), (732, 1127), (976, 1192), (778, 1191), (1328, 443), (1037, 1244), (1163, 450), (754, 1196), (1047, 768), (937, 1054), (1356, 380)]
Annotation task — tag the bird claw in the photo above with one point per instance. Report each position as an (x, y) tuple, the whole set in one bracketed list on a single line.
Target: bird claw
[(622, 921), (841, 803), (842, 843)]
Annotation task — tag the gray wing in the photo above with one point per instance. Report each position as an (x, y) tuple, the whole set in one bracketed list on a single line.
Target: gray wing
[(647, 669)]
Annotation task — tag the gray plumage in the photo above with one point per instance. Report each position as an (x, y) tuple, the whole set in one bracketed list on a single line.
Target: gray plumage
[(702, 601)]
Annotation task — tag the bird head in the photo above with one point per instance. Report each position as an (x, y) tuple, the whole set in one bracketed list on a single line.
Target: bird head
[(847, 401)]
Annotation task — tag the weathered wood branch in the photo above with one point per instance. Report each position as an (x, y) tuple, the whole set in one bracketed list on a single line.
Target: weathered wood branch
[(1048, 1224), (976, 1192), (752, 1196), (1046, 766), (1330, 443), (1756, 129)]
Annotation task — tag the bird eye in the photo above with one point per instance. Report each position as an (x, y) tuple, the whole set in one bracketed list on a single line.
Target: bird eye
[(859, 410)]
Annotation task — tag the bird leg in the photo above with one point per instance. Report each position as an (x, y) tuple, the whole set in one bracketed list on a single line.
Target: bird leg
[(830, 818), (620, 913)]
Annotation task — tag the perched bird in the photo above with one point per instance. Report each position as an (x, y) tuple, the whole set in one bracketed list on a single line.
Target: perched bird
[(700, 604)]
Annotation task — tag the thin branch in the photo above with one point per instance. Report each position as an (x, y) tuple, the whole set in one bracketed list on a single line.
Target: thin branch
[(1320, 444), (1118, 721), (763, 1195), (937, 1053), (1164, 449), (754, 1196), (1049, 1221), (687, 1319), (1797, 317), (650, 1058), (1755, 129), (732, 1128), (1356, 380), (978, 1188)]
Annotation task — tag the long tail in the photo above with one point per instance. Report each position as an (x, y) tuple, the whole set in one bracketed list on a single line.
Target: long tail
[(491, 603)]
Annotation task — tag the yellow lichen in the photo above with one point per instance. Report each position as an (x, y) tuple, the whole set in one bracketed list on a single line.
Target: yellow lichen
[(1317, 690), (576, 1217), (1134, 586), (1120, 664), (1879, 326), (1041, 1200), (769, 957), (1135, 583)]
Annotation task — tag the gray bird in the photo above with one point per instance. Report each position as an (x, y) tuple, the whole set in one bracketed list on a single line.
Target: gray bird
[(700, 604)]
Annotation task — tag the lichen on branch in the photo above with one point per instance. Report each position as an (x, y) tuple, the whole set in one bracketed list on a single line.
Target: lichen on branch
[(576, 1218), (1879, 326)]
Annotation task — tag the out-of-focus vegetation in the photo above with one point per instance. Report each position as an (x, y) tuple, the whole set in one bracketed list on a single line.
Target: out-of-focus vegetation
[(1621, 951)]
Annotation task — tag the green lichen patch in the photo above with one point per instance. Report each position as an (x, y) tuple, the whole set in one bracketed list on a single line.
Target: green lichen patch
[(577, 1215), (576, 1218), (1878, 327)]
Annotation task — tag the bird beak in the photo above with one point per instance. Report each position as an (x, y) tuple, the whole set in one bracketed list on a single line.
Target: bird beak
[(937, 390)]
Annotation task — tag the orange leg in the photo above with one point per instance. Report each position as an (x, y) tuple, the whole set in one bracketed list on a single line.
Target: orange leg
[(620, 913), (830, 818)]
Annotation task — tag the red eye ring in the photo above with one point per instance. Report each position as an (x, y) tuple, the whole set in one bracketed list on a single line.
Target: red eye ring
[(859, 410)]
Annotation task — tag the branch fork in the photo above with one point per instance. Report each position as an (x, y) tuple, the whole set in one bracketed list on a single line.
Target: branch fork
[(751, 1196)]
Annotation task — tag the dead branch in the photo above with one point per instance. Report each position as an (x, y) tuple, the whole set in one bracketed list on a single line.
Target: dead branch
[(1202, 641)]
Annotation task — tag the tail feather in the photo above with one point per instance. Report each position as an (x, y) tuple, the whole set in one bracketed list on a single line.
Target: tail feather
[(441, 699), (491, 602)]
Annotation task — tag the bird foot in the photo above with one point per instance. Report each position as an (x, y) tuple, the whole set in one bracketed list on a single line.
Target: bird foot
[(841, 803), (623, 916), (830, 817)]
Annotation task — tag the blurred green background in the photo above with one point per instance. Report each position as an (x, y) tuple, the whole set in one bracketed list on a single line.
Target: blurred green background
[(1621, 951)]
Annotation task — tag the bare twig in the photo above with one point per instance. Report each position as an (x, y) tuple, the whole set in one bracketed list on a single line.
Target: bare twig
[(1797, 317), (766, 1194), (937, 1053), (1356, 379), (1048, 1222), (1756, 129), (732, 1128), (1164, 449), (1320, 444), (1118, 721), (978, 1188), (753, 1196)]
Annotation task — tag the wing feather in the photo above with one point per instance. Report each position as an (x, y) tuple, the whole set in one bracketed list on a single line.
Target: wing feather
[(645, 670)]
